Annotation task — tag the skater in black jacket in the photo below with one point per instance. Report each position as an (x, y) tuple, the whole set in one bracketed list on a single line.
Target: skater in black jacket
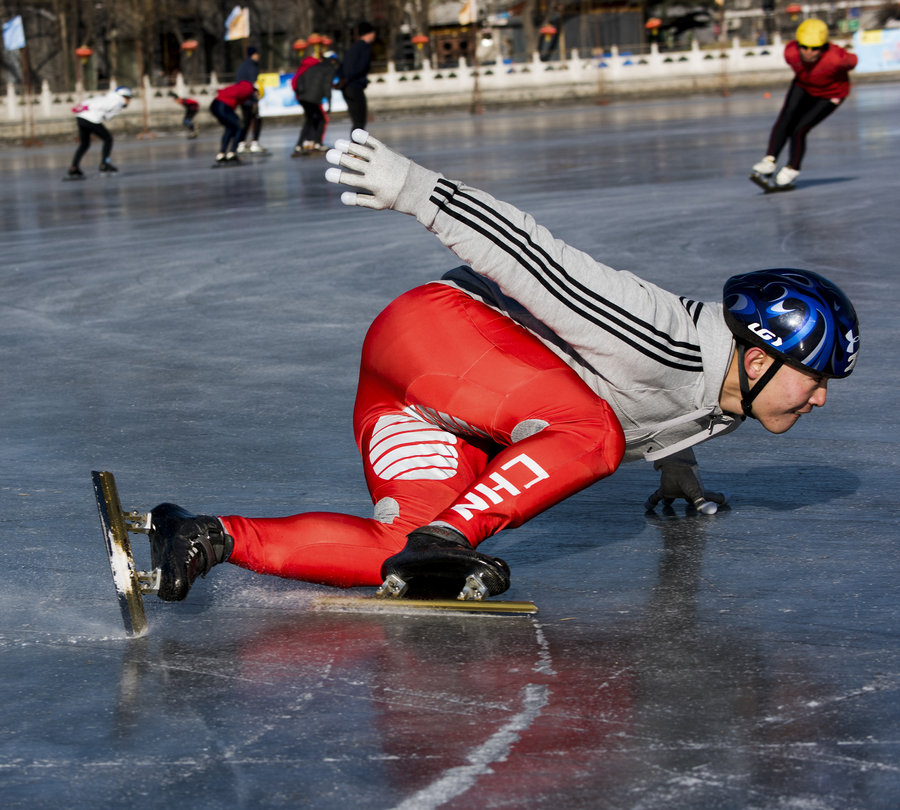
[(353, 75), (251, 123), (313, 88)]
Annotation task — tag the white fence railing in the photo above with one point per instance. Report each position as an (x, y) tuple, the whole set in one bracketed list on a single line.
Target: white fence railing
[(613, 73), (611, 69)]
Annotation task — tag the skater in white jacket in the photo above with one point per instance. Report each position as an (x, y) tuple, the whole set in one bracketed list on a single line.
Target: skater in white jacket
[(517, 380), (90, 115)]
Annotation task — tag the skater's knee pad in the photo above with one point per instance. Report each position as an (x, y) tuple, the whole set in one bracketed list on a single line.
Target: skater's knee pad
[(387, 510), (527, 428)]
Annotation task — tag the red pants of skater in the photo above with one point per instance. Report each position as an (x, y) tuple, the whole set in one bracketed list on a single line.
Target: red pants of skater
[(462, 417)]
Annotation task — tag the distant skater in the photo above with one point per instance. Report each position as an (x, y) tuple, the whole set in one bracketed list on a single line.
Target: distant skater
[(90, 116), (191, 107), (313, 92), (821, 83), (353, 75), (251, 123), (223, 109)]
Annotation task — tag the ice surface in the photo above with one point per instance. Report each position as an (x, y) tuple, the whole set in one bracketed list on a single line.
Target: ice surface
[(197, 333)]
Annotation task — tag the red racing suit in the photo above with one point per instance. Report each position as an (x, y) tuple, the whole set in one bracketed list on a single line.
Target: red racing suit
[(515, 383), (462, 416)]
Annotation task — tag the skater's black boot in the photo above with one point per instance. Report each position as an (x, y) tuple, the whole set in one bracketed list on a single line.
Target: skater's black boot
[(106, 166), (439, 563), (183, 547)]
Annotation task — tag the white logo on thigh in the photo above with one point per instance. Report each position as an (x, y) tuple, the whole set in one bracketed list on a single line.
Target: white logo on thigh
[(405, 448), (482, 496)]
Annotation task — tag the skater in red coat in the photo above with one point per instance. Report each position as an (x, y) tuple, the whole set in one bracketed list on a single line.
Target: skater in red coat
[(821, 83), (191, 108), (223, 107)]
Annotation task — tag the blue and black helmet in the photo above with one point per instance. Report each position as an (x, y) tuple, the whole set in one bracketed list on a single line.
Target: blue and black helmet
[(796, 315)]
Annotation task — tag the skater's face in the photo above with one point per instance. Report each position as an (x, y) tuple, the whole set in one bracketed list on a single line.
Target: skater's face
[(787, 396), (810, 55)]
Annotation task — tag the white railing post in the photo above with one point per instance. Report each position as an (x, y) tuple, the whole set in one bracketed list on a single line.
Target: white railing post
[(46, 98), (12, 104)]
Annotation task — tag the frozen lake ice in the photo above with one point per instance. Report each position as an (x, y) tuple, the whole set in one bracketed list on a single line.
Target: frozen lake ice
[(197, 332)]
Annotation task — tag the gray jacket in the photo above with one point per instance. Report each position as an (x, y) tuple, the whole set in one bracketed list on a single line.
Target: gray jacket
[(659, 360)]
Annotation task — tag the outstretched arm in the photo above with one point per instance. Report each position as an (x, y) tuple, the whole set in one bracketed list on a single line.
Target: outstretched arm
[(372, 167), (564, 288)]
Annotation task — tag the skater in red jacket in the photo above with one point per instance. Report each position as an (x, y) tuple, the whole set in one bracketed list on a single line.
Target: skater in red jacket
[(223, 109), (821, 83)]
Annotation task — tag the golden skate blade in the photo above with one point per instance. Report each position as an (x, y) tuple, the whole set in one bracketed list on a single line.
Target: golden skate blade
[(371, 604)]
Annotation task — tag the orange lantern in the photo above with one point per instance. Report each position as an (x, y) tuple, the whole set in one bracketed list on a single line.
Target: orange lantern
[(419, 41), (84, 53), (653, 23), (299, 45), (316, 41), (326, 41), (189, 46), (793, 9), (548, 31)]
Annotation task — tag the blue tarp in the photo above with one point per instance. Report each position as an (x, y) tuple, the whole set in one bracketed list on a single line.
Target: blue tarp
[(878, 50)]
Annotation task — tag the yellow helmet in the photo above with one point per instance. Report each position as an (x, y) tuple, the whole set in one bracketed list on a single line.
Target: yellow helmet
[(812, 33)]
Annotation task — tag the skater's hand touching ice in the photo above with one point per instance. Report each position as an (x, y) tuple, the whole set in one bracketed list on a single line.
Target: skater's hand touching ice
[(680, 478), (367, 164)]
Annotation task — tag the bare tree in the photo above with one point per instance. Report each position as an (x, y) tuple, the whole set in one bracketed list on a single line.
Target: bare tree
[(130, 38)]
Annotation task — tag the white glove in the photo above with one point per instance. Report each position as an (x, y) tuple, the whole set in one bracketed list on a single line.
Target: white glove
[(680, 478), (373, 167)]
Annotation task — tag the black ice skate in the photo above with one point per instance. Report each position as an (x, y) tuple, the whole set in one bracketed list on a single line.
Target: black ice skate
[(183, 547), (74, 173), (107, 167), (439, 563)]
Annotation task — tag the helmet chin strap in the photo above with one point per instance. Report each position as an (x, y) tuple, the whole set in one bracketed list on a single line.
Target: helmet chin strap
[(748, 394)]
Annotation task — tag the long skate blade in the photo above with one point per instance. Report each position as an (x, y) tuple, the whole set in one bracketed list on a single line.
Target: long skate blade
[(769, 187), (369, 604), (121, 560), (761, 181)]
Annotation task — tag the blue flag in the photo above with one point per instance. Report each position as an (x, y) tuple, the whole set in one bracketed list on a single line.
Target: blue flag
[(14, 34)]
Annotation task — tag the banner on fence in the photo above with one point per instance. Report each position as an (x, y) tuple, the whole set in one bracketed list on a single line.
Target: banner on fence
[(877, 50), (14, 34), (278, 97)]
